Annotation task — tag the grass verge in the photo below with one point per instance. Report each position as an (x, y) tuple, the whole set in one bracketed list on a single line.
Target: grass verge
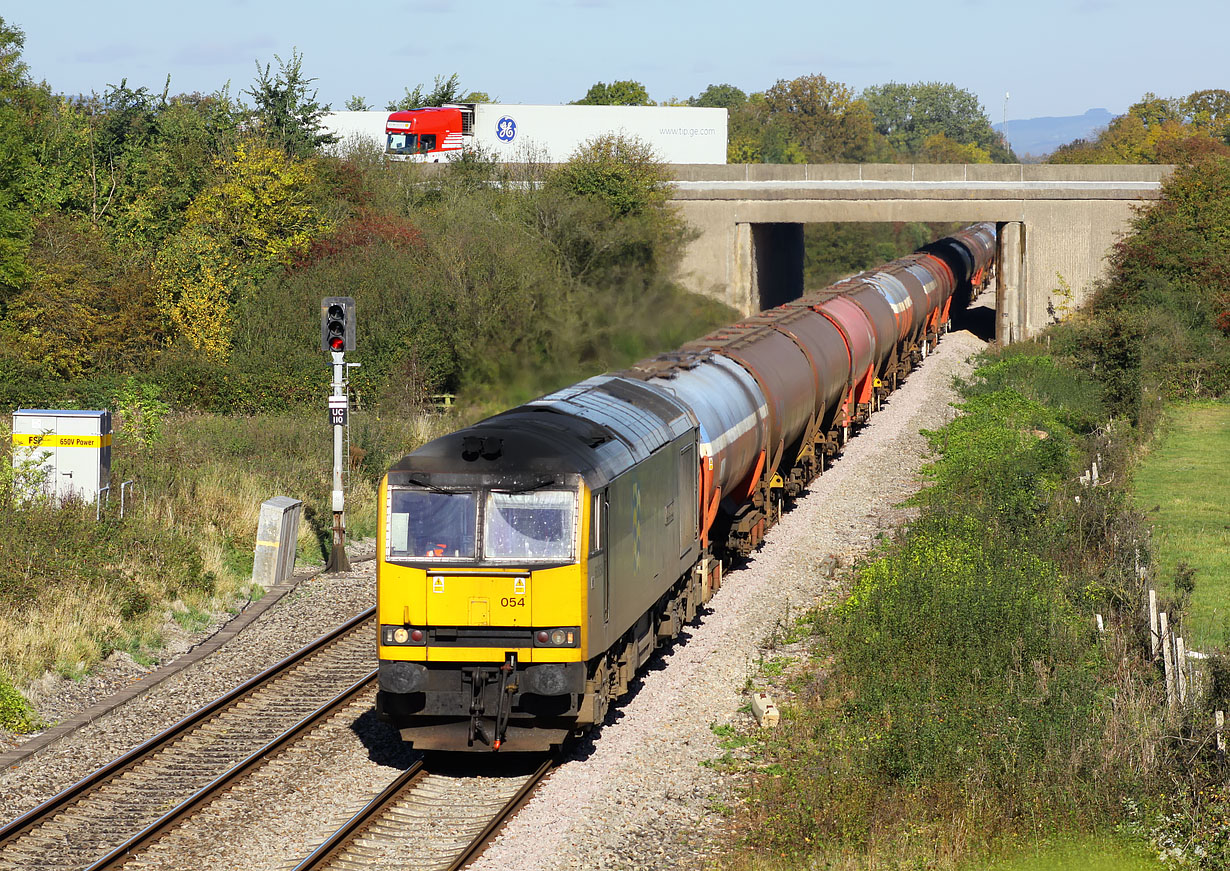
[(1183, 486)]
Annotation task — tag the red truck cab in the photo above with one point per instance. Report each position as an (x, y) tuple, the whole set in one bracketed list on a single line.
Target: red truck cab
[(426, 135)]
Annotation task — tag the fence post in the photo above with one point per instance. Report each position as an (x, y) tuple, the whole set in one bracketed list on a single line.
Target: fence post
[(1220, 719), (1167, 660), (1180, 667), (1155, 637)]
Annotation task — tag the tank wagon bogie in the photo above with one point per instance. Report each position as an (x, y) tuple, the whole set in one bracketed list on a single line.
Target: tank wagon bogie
[(530, 564)]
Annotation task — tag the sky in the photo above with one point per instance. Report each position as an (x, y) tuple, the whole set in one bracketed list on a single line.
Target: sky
[(1048, 57)]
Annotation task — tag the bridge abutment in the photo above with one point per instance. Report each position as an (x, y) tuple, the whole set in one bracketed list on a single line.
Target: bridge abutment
[(769, 264)]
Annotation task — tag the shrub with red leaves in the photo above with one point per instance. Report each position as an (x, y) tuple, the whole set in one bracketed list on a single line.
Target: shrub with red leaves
[(364, 229)]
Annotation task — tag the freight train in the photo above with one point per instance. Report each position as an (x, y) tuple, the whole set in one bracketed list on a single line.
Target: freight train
[(530, 564)]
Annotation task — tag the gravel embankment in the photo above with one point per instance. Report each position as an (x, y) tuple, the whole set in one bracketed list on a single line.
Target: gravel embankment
[(636, 797)]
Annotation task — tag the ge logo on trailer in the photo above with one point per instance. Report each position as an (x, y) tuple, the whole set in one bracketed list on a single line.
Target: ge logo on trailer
[(506, 129)]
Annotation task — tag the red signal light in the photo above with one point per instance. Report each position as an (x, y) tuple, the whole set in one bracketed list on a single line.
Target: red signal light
[(337, 343)]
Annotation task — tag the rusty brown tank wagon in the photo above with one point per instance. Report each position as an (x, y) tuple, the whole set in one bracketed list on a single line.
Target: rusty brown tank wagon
[(530, 564)]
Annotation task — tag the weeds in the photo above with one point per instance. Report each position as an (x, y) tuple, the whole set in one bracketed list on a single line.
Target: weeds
[(15, 712)]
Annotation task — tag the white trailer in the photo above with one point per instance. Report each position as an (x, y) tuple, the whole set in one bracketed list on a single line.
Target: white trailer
[(354, 127), (552, 134)]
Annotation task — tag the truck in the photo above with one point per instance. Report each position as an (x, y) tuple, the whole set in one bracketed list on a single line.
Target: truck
[(551, 134)]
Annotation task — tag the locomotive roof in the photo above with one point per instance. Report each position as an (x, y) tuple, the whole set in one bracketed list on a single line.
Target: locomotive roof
[(596, 429)]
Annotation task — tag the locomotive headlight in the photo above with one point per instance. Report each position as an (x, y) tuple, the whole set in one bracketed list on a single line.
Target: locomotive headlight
[(402, 635), (566, 637)]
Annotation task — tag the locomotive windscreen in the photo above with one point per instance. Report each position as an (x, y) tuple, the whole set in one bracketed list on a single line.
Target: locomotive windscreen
[(538, 525), (426, 523)]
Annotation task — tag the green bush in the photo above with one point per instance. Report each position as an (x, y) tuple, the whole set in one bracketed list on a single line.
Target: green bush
[(1003, 457), (1074, 396), (965, 662), (15, 712)]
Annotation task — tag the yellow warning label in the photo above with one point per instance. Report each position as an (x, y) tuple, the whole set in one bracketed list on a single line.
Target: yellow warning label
[(38, 440)]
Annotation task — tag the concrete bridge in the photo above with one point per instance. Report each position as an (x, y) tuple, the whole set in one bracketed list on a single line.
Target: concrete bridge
[(1056, 223)]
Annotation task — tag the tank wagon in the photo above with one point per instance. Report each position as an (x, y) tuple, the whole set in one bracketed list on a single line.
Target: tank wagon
[(530, 564)]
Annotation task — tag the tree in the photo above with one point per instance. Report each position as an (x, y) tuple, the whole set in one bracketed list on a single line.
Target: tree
[(87, 307), (621, 171), (719, 97), (288, 115), (907, 115), (357, 104), (260, 213), (938, 148), (1209, 110), (199, 282), (1159, 130), (1170, 275), (190, 135), (1153, 111), (621, 93), (443, 91), (18, 165), (264, 204), (823, 117)]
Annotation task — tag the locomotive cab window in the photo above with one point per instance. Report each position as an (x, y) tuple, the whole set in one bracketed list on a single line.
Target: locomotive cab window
[(430, 524), (539, 525)]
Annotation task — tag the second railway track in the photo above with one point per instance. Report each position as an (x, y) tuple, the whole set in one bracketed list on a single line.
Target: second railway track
[(101, 819), (428, 819)]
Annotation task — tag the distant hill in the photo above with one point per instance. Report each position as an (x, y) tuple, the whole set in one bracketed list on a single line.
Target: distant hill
[(1038, 137)]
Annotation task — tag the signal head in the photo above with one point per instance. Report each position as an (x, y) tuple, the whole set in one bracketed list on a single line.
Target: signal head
[(337, 323)]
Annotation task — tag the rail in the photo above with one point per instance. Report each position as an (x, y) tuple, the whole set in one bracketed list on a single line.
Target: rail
[(414, 795), (74, 801)]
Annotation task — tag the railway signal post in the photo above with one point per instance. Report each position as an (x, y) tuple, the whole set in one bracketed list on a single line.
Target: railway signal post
[(337, 329)]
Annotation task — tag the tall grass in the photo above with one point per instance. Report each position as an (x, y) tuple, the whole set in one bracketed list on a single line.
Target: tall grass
[(72, 589)]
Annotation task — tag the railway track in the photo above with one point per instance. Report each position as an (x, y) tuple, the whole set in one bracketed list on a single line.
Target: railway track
[(427, 820), (106, 817)]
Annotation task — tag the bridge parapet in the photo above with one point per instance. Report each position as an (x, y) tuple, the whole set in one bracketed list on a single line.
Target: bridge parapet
[(893, 172)]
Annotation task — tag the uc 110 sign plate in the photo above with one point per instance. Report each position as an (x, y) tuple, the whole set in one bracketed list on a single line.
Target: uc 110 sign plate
[(338, 410)]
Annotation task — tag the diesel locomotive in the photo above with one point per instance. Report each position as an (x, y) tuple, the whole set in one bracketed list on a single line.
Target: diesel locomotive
[(530, 564)]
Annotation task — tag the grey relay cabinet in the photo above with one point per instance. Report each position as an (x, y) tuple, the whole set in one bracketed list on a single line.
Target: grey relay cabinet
[(69, 452)]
